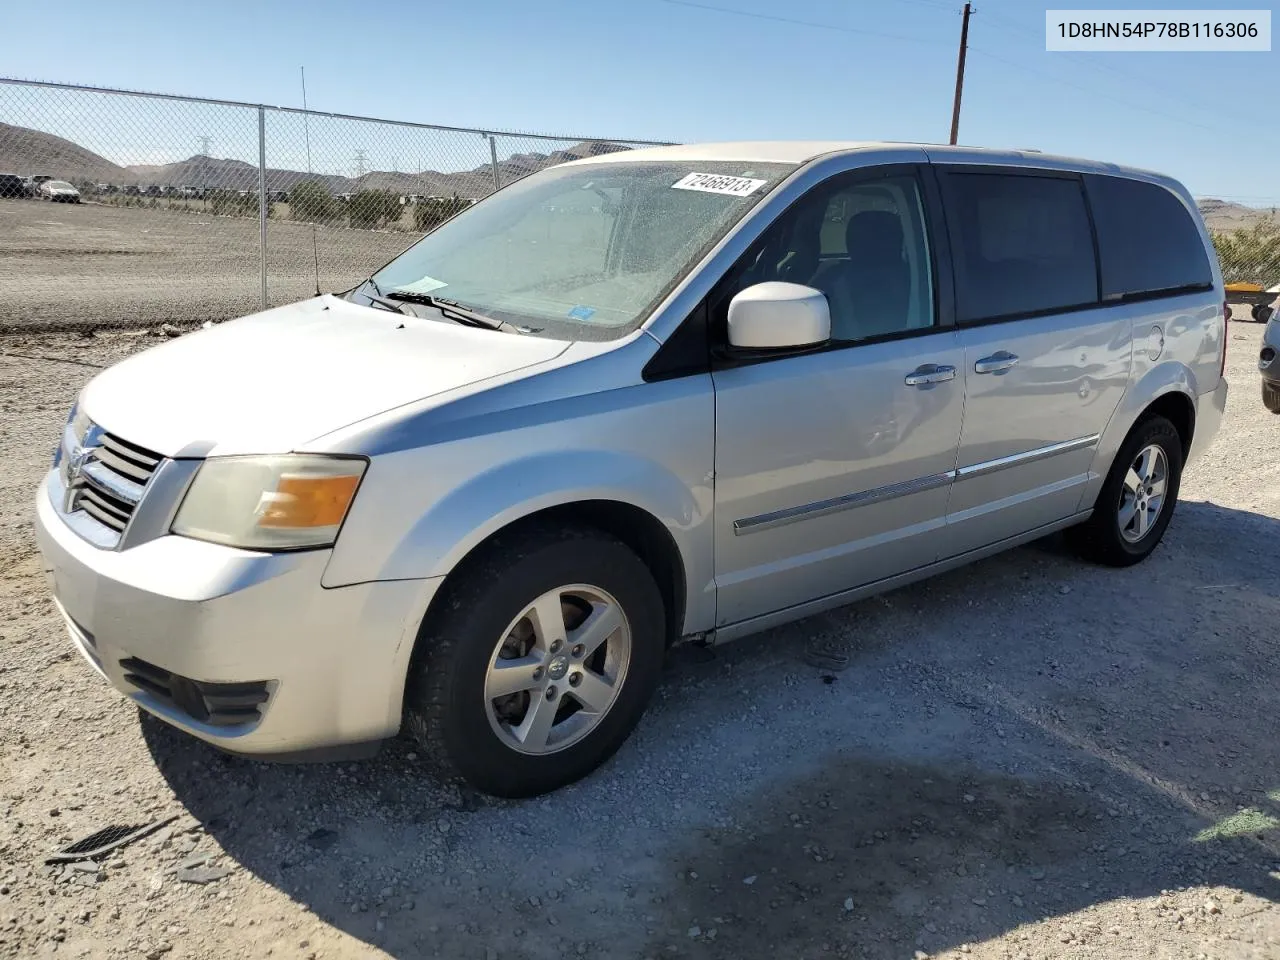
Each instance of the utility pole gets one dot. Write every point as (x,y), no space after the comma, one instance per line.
(964,48)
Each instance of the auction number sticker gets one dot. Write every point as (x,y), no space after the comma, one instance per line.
(1138,31)
(718,183)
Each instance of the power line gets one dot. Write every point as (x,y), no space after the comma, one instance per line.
(999,20)
(1096,93)
(814,24)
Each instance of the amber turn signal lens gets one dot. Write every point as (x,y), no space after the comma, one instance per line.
(300,500)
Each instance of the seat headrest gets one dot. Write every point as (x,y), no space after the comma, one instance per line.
(874,236)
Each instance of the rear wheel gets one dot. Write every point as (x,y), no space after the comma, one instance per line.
(1136,502)
(1262,313)
(540,662)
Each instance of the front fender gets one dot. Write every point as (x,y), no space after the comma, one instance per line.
(479,508)
(454,524)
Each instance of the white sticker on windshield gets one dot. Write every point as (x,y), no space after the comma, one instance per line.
(718,183)
(425,285)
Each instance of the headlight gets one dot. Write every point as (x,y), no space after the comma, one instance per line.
(269,503)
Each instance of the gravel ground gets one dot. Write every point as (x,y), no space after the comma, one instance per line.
(68,266)
(1031,757)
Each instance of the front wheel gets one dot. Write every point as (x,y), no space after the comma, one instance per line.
(1136,502)
(540,662)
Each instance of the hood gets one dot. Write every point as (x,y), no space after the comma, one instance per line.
(270,382)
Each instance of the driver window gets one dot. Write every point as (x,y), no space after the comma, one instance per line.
(864,246)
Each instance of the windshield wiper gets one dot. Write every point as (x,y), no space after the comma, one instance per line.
(381,301)
(455,310)
(388,304)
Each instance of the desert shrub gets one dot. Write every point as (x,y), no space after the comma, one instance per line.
(430,213)
(371,209)
(1250,253)
(310,200)
(231,203)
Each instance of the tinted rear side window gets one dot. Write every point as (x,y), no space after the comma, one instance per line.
(1147,239)
(1021,244)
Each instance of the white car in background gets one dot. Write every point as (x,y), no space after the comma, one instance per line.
(59,191)
(1267,365)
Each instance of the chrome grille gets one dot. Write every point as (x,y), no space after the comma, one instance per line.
(112,479)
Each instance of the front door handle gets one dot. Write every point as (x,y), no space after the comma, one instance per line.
(998,362)
(929,373)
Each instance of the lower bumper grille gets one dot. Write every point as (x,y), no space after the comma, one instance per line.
(218,704)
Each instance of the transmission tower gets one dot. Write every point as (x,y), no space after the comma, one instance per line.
(361,164)
(206,144)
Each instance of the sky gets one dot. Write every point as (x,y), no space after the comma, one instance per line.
(678,70)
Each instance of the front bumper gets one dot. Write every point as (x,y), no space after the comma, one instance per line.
(234,626)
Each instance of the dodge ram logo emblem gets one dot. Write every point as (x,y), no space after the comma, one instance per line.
(76,461)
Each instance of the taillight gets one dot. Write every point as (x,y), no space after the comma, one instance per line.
(1226,335)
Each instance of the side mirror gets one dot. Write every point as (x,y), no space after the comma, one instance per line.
(774,315)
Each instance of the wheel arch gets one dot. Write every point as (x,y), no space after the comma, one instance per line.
(642,532)
(635,527)
(1168,390)
(1180,410)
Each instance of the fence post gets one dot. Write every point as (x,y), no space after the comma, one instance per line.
(493,163)
(262,199)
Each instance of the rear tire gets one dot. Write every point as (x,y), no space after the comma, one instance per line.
(1137,499)
(567,628)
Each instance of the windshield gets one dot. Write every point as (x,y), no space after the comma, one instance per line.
(59,185)
(582,252)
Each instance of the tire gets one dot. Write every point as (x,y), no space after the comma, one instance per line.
(1262,313)
(1105,537)
(1271,396)
(487,616)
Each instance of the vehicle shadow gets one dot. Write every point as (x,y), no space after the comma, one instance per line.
(1013,742)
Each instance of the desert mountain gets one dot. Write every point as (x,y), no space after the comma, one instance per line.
(29,152)
(1222,215)
(200,171)
(25,151)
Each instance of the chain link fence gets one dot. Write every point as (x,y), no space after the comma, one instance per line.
(125,209)
(122,209)
(1250,259)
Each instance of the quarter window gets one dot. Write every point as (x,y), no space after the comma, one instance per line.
(1147,239)
(1021,245)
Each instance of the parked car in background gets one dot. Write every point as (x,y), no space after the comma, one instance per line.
(59,191)
(480,504)
(1268,365)
(12,186)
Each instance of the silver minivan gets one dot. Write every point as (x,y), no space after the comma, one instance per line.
(674,394)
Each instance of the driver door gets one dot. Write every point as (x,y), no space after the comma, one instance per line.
(833,465)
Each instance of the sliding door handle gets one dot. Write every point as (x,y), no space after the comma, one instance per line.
(998,362)
(926,374)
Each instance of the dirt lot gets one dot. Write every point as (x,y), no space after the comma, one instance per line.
(1031,757)
(64,266)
